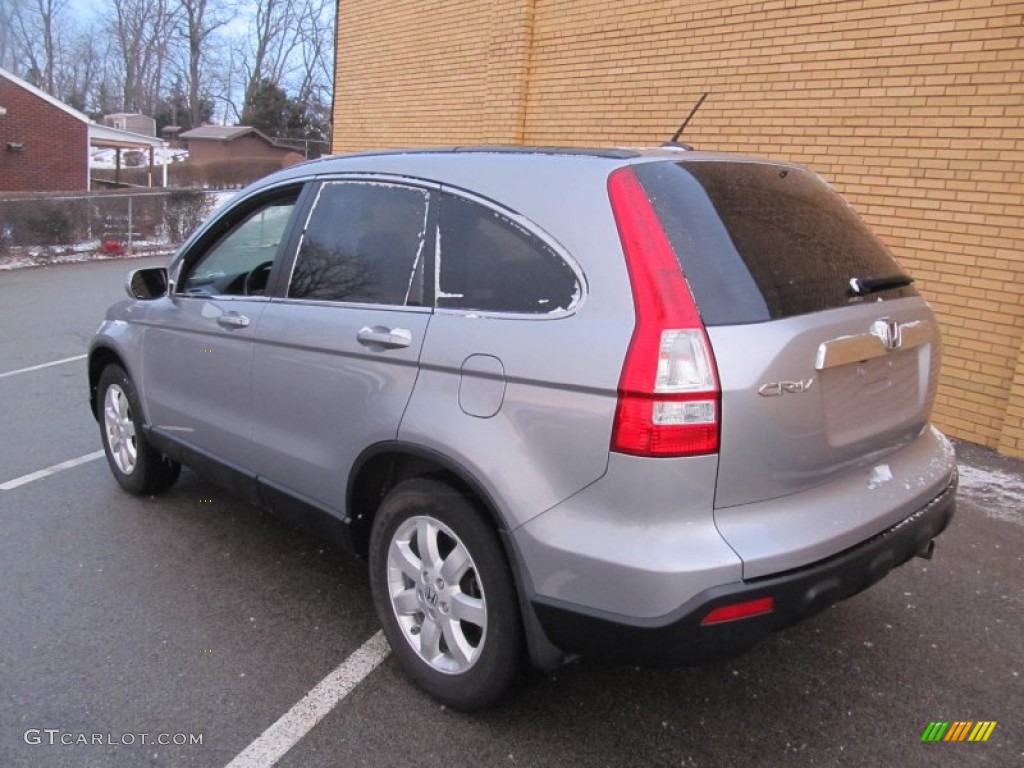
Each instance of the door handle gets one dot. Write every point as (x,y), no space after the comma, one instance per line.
(233,320)
(390,338)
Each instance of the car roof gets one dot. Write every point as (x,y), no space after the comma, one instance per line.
(449,164)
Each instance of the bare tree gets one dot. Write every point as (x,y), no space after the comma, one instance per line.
(198,23)
(316,50)
(273,39)
(143,31)
(8,56)
(51,48)
(80,68)
(290,46)
(227,85)
(36,27)
(134,52)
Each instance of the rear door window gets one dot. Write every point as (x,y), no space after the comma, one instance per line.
(487,262)
(760,241)
(364,242)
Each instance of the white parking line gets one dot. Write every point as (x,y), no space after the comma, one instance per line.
(43,365)
(39,475)
(274,742)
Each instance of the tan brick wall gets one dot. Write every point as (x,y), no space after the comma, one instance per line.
(914,110)
(1013,425)
(430,73)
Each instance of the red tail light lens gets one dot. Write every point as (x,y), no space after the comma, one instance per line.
(739,611)
(669,396)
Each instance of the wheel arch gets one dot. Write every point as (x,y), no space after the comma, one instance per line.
(382,466)
(100,357)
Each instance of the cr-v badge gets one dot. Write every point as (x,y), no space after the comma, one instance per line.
(779,388)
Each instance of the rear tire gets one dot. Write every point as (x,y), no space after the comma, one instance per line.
(444,594)
(137,466)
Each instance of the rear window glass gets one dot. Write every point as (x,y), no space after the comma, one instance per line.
(487,262)
(759,241)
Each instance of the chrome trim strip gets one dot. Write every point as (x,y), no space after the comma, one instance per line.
(845,350)
(916,334)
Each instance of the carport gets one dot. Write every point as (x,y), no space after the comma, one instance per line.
(113,138)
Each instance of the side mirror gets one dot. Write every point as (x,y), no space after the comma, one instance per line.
(146,284)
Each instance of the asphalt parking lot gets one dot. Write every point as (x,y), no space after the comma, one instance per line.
(197,614)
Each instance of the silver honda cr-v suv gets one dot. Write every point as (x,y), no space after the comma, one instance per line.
(649,405)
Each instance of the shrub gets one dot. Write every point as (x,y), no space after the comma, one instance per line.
(185,210)
(39,222)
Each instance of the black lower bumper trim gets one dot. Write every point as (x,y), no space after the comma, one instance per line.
(680,639)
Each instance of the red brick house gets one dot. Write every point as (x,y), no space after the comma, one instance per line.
(44,144)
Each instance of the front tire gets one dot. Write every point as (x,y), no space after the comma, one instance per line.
(137,466)
(444,594)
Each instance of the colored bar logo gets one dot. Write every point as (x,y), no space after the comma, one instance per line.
(959,730)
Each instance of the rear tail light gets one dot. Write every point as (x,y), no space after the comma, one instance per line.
(669,396)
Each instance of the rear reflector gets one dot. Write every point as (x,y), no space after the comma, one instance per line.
(668,390)
(739,611)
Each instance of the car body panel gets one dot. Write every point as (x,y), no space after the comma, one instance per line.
(121,333)
(320,396)
(637,543)
(197,372)
(687,636)
(790,532)
(548,439)
(780,440)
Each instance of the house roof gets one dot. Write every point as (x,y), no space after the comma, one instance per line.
(223,133)
(106,136)
(44,96)
(99,135)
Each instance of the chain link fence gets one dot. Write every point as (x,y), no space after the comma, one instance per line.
(47,227)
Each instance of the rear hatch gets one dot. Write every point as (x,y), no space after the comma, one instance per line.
(827,357)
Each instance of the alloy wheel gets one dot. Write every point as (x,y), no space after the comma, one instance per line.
(120,429)
(436,594)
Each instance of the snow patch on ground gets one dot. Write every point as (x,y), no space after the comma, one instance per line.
(1001,493)
(42,258)
(106,158)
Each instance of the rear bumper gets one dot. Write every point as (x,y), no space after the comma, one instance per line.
(680,638)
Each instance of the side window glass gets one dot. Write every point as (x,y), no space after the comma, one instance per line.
(488,262)
(364,242)
(239,262)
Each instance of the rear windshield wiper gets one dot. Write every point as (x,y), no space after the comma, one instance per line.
(862,286)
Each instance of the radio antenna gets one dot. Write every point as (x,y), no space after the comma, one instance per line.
(677,134)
